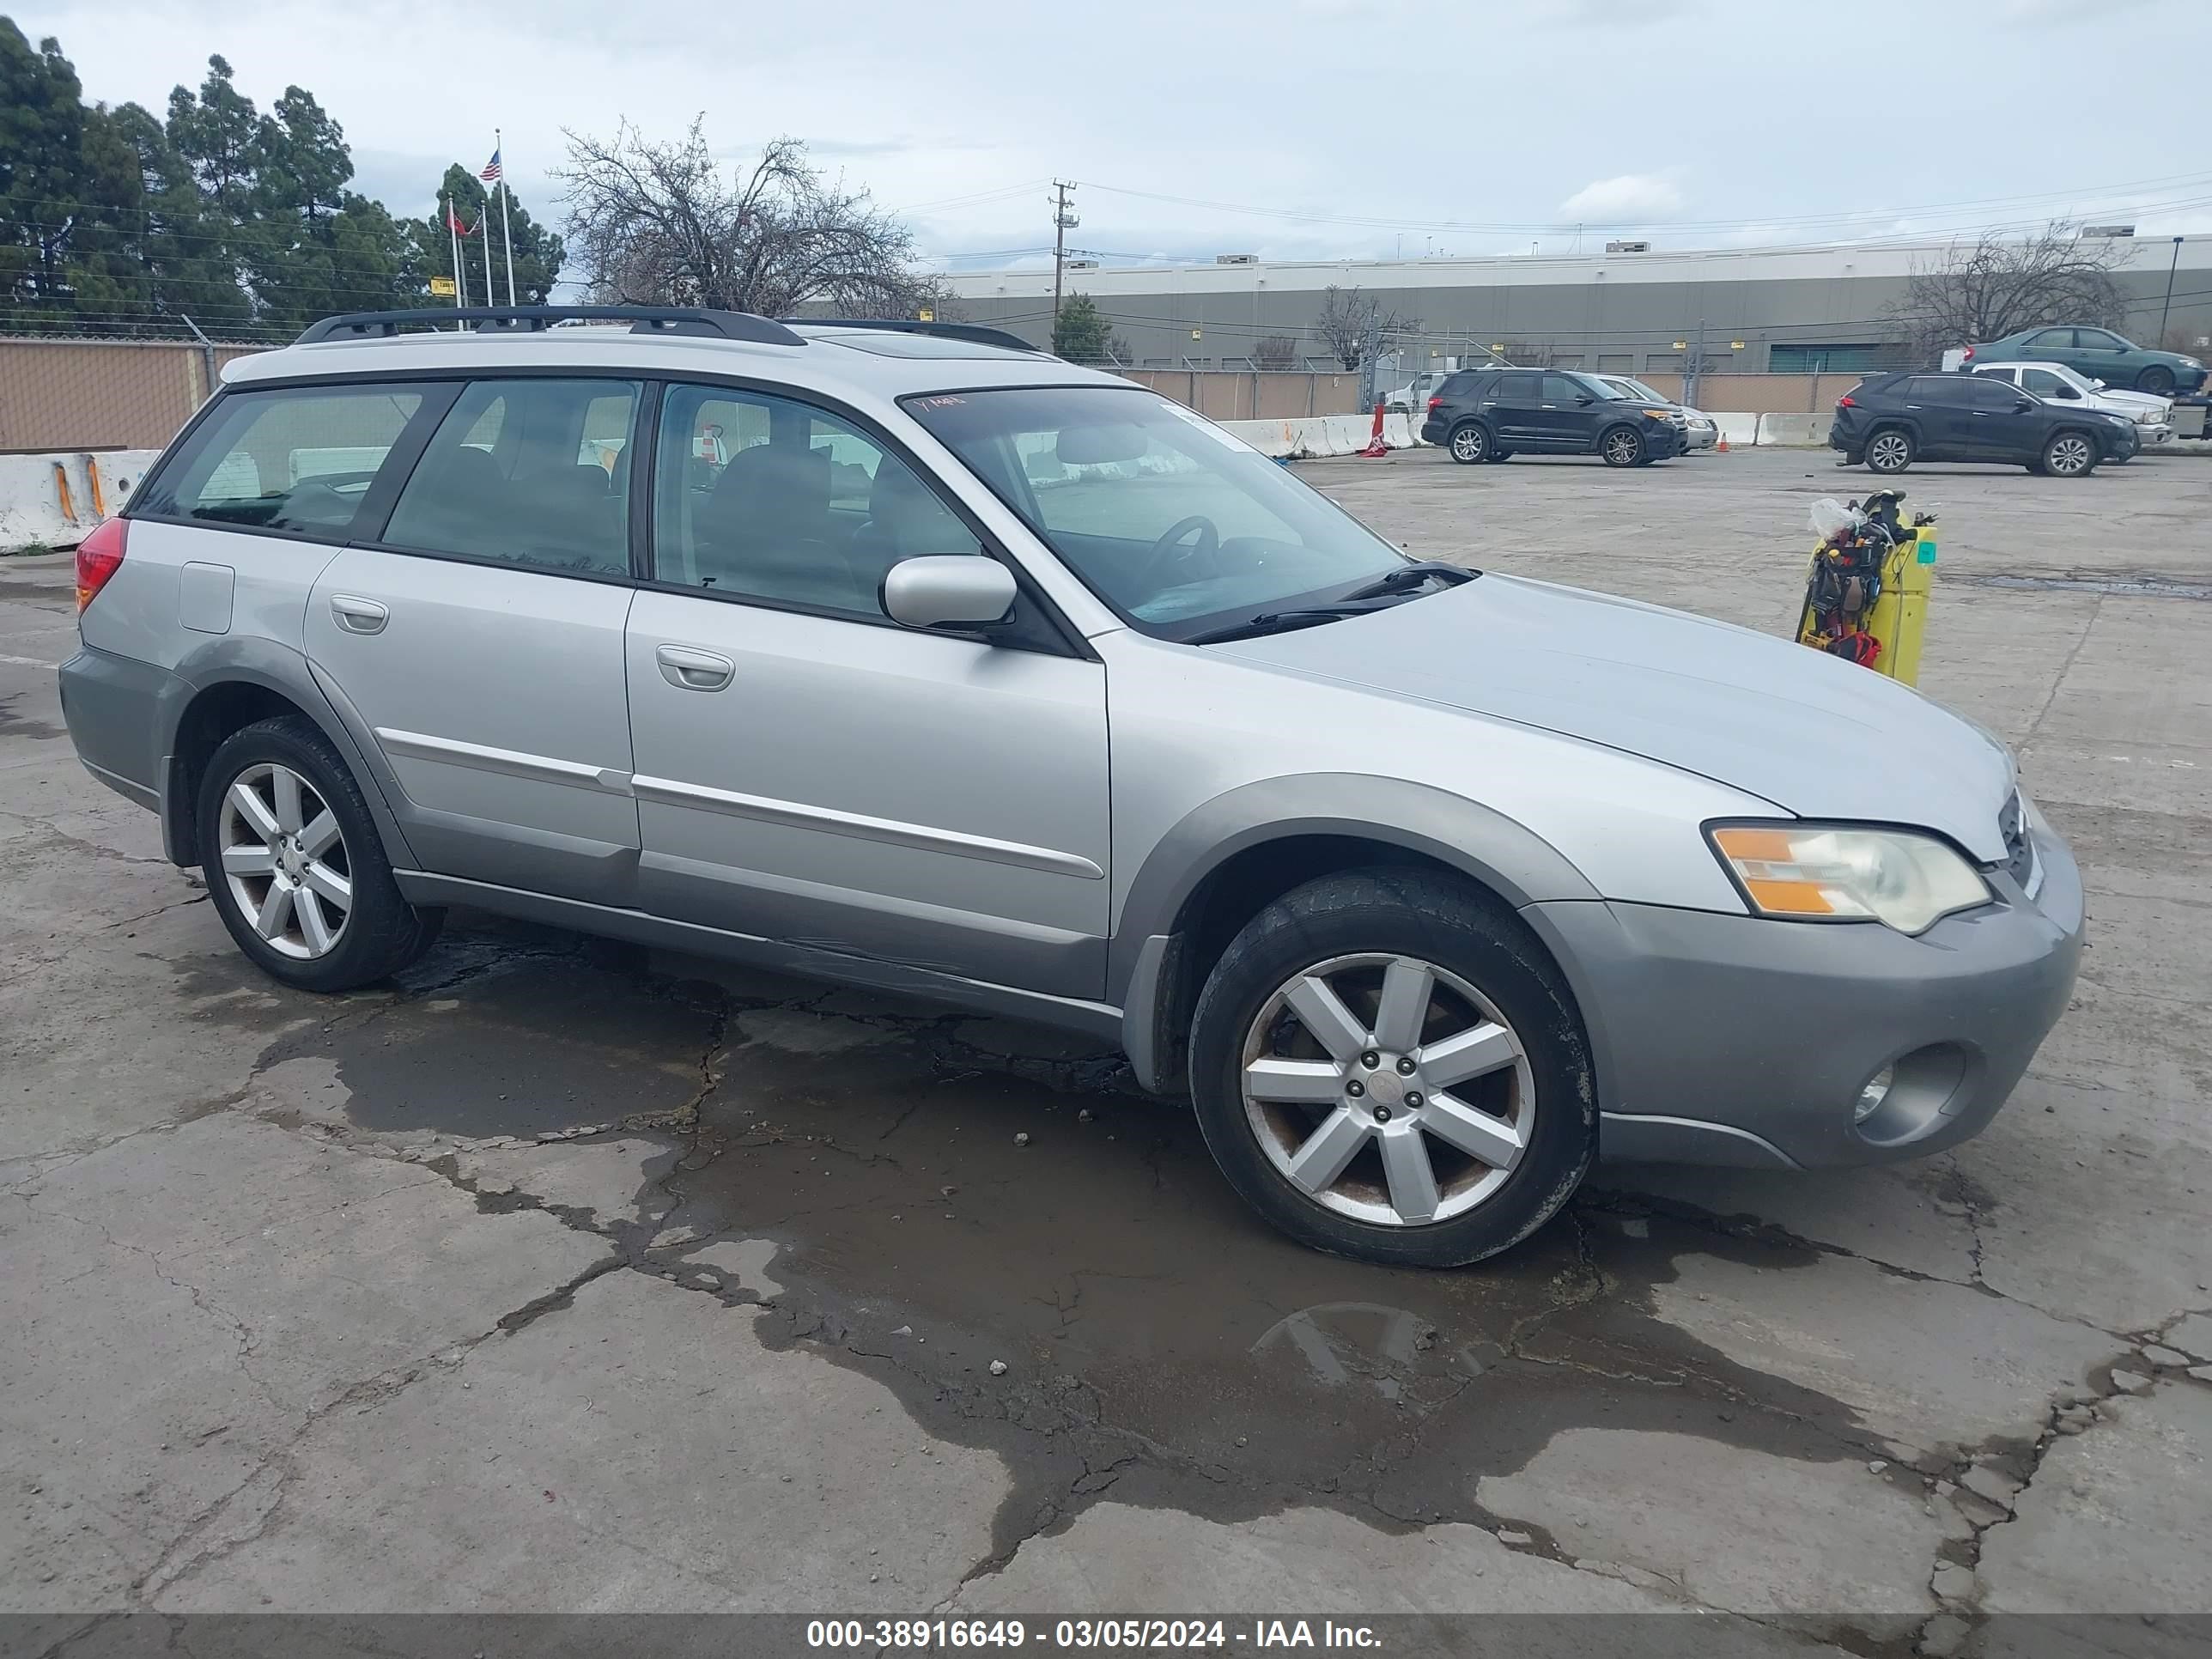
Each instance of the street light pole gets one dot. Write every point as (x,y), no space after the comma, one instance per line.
(2166,309)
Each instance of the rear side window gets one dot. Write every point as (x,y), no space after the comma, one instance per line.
(1459,386)
(297,458)
(528,471)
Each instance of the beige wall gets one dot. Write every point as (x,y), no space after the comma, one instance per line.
(90,394)
(1250,395)
(100,394)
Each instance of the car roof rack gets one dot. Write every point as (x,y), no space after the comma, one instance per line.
(494,319)
(973,333)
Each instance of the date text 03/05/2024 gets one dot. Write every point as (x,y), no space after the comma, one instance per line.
(877,1634)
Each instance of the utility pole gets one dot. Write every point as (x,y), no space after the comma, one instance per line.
(2167,310)
(1696,365)
(1062,222)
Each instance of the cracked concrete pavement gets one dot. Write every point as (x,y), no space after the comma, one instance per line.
(564,1275)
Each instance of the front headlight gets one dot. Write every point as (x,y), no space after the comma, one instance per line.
(1812,873)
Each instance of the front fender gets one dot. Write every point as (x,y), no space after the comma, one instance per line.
(1146,967)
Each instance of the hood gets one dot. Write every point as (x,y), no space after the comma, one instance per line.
(1817,736)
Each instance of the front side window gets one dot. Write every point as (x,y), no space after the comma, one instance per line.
(2096,339)
(296,459)
(764,498)
(528,471)
(1170,521)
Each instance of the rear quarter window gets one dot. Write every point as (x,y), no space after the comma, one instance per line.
(297,458)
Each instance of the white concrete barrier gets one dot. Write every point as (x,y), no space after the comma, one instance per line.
(1794,431)
(58,498)
(1321,434)
(1737,431)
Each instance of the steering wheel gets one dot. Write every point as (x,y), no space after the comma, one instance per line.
(1168,551)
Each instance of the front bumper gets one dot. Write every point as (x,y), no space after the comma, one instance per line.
(1700,437)
(2152,434)
(1739,1039)
(2122,442)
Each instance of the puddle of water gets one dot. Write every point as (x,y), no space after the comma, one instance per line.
(938,1192)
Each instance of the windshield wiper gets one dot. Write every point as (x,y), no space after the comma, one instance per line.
(1280,622)
(1412,575)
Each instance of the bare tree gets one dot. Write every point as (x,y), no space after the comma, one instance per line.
(1354,326)
(664,223)
(2000,285)
(1275,351)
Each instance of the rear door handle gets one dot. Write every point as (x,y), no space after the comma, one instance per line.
(688,669)
(358,616)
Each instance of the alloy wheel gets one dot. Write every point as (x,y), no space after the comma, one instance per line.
(1889,453)
(2069,456)
(1622,448)
(1387,1090)
(284,858)
(1468,444)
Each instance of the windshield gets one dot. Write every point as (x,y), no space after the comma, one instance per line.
(1636,389)
(1168,519)
(1611,391)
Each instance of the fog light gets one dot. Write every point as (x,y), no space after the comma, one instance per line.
(1872,1093)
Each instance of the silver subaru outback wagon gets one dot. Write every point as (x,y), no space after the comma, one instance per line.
(907,658)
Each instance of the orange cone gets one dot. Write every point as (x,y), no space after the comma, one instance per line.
(1375,446)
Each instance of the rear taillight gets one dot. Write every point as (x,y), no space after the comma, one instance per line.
(99,556)
(1436,403)
(1845,402)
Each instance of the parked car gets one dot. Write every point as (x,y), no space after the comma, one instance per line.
(1491,414)
(2054,383)
(1699,429)
(2097,354)
(1891,421)
(1422,884)
(1413,396)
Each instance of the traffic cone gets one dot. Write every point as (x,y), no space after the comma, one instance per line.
(1721,448)
(1375,446)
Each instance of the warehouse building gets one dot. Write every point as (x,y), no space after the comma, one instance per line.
(1631,307)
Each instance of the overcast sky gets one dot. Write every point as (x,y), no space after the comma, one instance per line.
(1291,128)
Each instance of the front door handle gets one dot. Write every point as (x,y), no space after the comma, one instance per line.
(688,669)
(358,616)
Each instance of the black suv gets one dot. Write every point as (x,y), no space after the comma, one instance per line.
(1488,414)
(1891,421)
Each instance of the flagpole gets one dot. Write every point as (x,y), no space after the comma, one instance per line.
(498,149)
(453,239)
(484,224)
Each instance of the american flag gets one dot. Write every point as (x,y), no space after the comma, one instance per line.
(491,169)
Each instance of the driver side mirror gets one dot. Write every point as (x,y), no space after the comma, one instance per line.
(949,590)
(1585,400)
(2022,403)
(2068,393)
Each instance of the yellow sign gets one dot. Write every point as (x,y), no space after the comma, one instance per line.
(1195,335)
(1681,345)
(1736,345)
(441,287)
(926,315)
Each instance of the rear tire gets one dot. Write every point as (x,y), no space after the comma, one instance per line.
(295,866)
(1890,450)
(1392,1174)
(1469,443)
(2070,455)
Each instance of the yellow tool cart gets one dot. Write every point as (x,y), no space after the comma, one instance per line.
(1866,596)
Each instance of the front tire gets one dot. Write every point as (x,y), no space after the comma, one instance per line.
(1889,450)
(1470,443)
(1387,1066)
(294,864)
(2157,380)
(2070,455)
(1622,446)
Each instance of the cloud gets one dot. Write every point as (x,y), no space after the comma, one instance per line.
(1627,198)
